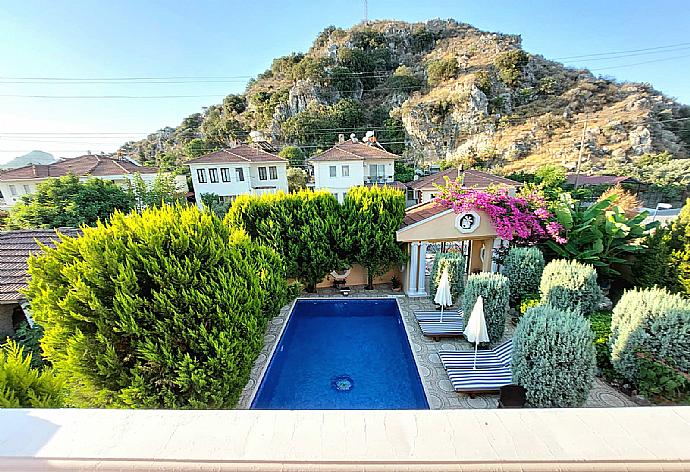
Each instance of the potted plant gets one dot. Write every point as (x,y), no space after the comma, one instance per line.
(395,283)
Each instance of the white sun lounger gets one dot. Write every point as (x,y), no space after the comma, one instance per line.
(480,380)
(499,356)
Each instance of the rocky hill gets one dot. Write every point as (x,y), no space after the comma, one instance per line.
(442,90)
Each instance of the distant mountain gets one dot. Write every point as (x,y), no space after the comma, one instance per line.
(34,157)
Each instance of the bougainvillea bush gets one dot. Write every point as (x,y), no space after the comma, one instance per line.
(524,220)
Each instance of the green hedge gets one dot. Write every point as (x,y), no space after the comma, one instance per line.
(163,309)
(654,322)
(302,227)
(455,262)
(523,266)
(553,357)
(570,286)
(494,289)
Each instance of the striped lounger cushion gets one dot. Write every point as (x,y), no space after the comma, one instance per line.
(436,315)
(478,380)
(447,327)
(499,356)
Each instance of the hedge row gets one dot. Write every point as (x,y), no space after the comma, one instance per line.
(316,235)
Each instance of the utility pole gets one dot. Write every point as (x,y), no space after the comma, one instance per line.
(582,148)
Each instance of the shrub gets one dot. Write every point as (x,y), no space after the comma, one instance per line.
(569,285)
(529,301)
(294,155)
(553,357)
(600,234)
(667,261)
(455,262)
(22,386)
(370,218)
(29,339)
(494,289)
(442,69)
(661,381)
(654,322)
(163,309)
(302,227)
(523,266)
(601,327)
(510,65)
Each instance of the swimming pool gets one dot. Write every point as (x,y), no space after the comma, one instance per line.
(342,354)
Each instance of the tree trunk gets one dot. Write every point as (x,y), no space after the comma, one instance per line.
(370,280)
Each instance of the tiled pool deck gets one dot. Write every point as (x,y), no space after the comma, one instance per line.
(439,391)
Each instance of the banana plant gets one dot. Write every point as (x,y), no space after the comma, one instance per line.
(600,234)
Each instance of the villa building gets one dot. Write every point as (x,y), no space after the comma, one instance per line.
(23,180)
(239,170)
(352,163)
(425,189)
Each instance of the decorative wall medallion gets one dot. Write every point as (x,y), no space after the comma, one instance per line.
(467,222)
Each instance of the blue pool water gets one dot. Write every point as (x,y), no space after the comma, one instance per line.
(342,354)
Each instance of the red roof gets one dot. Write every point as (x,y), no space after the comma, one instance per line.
(588,180)
(88,165)
(353,151)
(470,179)
(15,248)
(422,211)
(239,154)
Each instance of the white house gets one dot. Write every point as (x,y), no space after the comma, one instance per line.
(353,163)
(23,180)
(236,171)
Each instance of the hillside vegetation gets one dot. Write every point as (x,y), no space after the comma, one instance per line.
(442,90)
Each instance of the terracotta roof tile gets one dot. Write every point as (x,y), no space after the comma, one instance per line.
(353,151)
(471,179)
(15,248)
(239,154)
(422,211)
(88,165)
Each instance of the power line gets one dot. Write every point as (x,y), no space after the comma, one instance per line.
(640,63)
(622,52)
(611,58)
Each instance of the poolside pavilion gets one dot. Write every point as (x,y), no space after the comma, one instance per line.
(432,223)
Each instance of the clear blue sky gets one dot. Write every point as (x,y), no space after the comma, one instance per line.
(127,38)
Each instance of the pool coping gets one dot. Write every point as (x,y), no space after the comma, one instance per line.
(247,398)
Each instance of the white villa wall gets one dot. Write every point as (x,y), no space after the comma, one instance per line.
(236,187)
(359,174)
(223,189)
(338,185)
